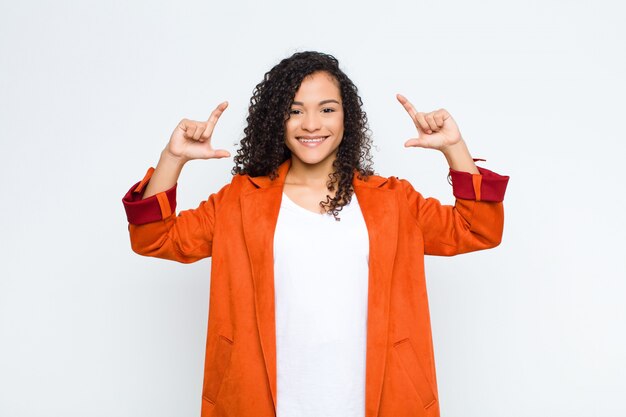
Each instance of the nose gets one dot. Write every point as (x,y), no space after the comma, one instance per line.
(311,121)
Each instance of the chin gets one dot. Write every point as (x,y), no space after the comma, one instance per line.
(311,156)
(310,161)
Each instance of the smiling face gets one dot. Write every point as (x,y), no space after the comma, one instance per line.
(314,129)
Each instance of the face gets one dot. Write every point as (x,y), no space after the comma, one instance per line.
(314,129)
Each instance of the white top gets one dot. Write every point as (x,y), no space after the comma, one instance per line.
(321,283)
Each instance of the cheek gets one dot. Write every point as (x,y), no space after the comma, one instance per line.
(289,138)
(290,127)
(335,124)
(339,126)
(341,121)
(287,132)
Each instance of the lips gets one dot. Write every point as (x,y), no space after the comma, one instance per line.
(311,141)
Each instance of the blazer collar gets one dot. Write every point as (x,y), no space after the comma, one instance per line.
(265,181)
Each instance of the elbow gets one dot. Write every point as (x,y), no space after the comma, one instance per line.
(139,248)
(495,242)
(145,244)
(485,239)
(489,231)
(144,241)
(493,239)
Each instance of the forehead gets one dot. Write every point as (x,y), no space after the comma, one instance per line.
(320,85)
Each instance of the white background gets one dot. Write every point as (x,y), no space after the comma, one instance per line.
(90,92)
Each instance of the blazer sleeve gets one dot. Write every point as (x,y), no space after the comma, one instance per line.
(155,229)
(475,221)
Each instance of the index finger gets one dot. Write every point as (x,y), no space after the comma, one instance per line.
(407,105)
(212,120)
(215,115)
(410,109)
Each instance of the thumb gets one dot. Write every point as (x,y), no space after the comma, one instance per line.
(416,142)
(221,153)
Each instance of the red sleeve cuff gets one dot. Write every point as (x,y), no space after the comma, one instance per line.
(486,186)
(154,208)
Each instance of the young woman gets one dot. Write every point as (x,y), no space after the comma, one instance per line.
(318,303)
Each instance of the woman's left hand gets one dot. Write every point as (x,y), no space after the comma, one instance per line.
(436,130)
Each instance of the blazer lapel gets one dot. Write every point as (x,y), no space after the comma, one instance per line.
(259,211)
(380,211)
(260,208)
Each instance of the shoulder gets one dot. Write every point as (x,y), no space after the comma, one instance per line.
(227,197)
(231,189)
(382,182)
(244,183)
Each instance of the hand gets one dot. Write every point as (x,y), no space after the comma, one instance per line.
(192,139)
(436,130)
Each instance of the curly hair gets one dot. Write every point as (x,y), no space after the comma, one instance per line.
(263,147)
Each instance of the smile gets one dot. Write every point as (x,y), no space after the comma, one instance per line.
(312,142)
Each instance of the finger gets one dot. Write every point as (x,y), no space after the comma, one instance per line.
(190,130)
(183,125)
(411,110)
(212,120)
(221,153)
(444,115)
(200,127)
(431,122)
(215,114)
(438,116)
(415,142)
(407,105)
(206,132)
(423,124)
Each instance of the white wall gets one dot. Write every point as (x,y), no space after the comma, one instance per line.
(90,92)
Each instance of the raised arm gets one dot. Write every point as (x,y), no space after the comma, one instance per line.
(476,220)
(155,229)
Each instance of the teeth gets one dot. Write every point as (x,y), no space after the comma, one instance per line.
(311,140)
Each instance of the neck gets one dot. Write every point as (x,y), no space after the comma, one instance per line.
(309,175)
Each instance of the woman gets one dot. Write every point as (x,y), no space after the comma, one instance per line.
(318,301)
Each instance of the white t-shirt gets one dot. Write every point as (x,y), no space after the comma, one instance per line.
(321,285)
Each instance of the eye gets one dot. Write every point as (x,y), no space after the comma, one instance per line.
(294,111)
(328,110)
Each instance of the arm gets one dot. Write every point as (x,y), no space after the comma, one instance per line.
(476,220)
(155,229)
(166,174)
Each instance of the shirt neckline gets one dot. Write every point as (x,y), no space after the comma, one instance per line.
(298,207)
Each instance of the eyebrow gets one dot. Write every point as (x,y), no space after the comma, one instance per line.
(298,103)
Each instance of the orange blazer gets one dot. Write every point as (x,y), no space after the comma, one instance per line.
(235,226)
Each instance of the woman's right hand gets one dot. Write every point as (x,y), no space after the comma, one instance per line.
(192,139)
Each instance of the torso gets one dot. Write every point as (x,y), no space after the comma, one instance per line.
(321,303)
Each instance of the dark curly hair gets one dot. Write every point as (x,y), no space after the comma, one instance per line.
(263,147)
